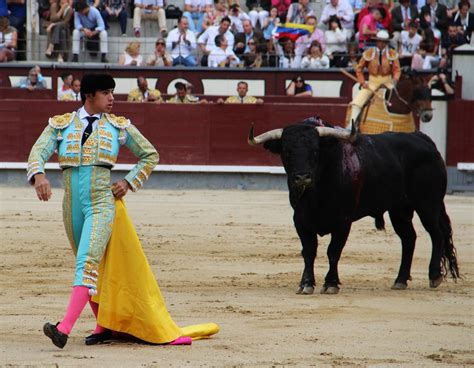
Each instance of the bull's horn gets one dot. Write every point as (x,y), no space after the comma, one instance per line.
(342,134)
(262,138)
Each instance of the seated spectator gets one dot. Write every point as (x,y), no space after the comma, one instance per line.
(237,17)
(451,7)
(369,26)
(222,55)
(315,59)
(434,16)
(181,96)
(115,9)
(252,58)
(287,58)
(343,11)
(270,23)
(67,85)
(33,81)
(131,55)
(149,9)
(206,40)
(258,11)
(423,59)
(74,94)
(59,36)
(409,42)
(303,43)
(17,14)
(144,94)
(298,12)
(441,82)
(160,56)
(336,42)
(182,42)
(450,41)
(402,16)
(270,57)
(8,40)
(299,88)
(241,39)
(353,56)
(282,6)
(88,23)
(242,97)
(192,97)
(385,23)
(215,14)
(464,20)
(195,10)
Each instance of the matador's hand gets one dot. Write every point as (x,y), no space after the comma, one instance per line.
(120,188)
(42,187)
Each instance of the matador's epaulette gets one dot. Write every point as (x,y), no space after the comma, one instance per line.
(369,54)
(61,121)
(392,54)
(120,122)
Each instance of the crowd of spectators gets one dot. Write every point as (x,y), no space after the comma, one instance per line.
(219,33)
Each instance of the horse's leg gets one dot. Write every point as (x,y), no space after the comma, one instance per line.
(402,223)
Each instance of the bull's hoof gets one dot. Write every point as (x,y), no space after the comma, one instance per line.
(436,282)
(399,286)
(306,290)
(332,290)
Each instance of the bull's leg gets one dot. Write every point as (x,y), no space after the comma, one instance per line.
(430,221)
(403,226)
(338,241)
(309,241)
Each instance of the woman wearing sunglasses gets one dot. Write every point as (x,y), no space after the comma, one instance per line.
(299,88)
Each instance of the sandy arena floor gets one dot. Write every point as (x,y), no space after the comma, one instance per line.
(233,257)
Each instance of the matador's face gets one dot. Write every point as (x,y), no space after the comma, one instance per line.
(102,100)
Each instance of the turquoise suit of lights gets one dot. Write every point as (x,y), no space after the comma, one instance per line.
(88,203)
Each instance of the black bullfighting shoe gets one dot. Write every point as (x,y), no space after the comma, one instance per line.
(57,337)
(99,338)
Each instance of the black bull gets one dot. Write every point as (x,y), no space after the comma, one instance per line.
(336,177)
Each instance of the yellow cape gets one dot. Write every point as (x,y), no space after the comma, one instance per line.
(128,295)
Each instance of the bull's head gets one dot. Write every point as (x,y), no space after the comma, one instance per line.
(299,149)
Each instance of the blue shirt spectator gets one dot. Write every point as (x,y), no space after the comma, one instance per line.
(93,20)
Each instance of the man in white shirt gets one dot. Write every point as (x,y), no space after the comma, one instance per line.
(222,55)
(181,42)
(237,16)
(66,87)
(409,42)
(196,10)
(343,11)
(206,40)
(149,9)
(298,12)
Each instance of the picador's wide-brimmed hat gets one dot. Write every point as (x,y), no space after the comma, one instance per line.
(382,35)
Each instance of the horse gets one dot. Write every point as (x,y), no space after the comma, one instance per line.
(392,110)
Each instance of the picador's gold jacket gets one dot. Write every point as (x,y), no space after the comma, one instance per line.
(390,64)
(64,134)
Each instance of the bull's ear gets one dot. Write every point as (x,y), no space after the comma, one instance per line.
(274,146)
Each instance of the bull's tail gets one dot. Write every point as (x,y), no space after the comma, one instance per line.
(449,260)
(379,222)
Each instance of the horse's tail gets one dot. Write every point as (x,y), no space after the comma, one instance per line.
(449,260)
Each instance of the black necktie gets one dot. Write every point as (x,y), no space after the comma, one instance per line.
(380,58)
(88,130)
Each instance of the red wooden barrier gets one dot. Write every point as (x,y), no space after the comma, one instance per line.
(460,145)
(189,134)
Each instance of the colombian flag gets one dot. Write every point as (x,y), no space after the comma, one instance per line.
(292,30)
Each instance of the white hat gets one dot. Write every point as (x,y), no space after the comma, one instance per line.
(382,36)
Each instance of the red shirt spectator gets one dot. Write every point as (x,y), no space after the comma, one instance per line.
(282,6)
(386,22)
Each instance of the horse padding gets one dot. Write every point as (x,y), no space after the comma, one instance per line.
(375,118)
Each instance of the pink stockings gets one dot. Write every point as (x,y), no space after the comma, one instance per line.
(79,298)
